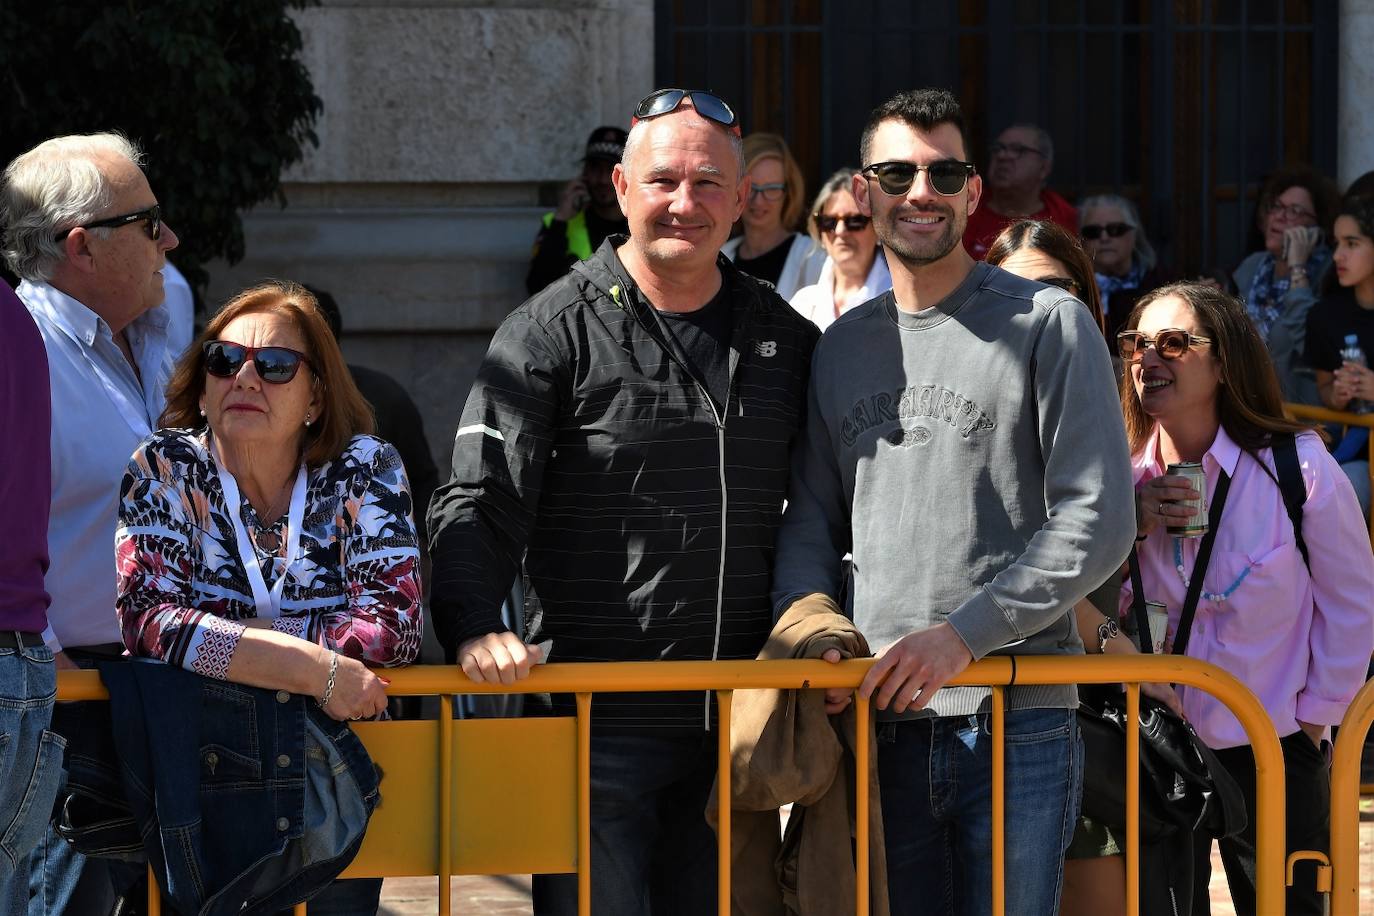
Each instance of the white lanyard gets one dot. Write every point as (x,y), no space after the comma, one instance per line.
(268,603)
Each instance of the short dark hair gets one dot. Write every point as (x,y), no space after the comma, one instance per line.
(1322,190)
(1360,208)
(327,303)
(1362,186)
(923,109)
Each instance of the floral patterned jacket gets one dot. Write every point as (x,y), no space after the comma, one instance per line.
(182,590)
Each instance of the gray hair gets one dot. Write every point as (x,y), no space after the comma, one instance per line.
(637,133)
(1042,138)
(1144,252)
(840,181)
(57,185)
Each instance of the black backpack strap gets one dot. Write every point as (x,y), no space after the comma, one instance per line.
(1144,638)
(1204,557)
(1284,447)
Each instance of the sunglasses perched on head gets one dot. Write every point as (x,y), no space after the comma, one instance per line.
(276,365)
(1170,343)
(856,223)
(947,177)
(153,215)
(1093,232)
(708,105)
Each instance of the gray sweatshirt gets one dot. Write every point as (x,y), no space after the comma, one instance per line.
(973,460)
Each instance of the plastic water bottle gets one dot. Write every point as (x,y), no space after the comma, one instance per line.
(1352,353)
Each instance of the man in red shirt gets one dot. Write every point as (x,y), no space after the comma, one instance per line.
(1019,164)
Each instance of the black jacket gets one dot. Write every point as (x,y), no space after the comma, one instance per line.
(645,521)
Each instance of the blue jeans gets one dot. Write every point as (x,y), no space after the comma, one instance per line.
(936,778)
(62,881)
(30,765)
(653,854)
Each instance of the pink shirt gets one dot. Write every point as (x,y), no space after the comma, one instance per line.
(1301,643)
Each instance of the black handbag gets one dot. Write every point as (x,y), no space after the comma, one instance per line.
(1182,784)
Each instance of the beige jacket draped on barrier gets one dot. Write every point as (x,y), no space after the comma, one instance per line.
(785,749)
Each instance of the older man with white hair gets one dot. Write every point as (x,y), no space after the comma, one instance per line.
(84,231)
(628,437)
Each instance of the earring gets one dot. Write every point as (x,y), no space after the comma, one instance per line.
(307,419)
(202,411)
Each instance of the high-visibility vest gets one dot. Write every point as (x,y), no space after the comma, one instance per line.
(579,242)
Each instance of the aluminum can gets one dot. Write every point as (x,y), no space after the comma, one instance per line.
(1157,616)
(1195,525)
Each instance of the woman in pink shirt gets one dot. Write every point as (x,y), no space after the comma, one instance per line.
(1199,386)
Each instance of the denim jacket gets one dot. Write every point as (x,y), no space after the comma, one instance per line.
(247,800)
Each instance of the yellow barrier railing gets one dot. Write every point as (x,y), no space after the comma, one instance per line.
(583,680)
(1347,420)
(1345,803)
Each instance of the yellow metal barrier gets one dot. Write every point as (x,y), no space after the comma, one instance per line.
(410,835)
(1347,420)
(1345,804)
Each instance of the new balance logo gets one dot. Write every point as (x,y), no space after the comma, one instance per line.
(766,347)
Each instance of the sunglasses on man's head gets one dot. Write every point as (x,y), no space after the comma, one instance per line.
(1092,232)
(153,215)
(1170,343)
(947,177)
(856,223)
(708,105)
(276,365)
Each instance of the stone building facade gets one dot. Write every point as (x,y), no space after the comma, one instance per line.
(443,120)
(446,121)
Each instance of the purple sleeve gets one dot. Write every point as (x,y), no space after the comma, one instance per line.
(26,457)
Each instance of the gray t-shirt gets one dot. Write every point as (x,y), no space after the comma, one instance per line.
(972,457)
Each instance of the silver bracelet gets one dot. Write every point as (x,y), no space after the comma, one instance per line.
(329,685)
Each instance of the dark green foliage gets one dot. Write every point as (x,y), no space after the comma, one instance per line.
(213,91)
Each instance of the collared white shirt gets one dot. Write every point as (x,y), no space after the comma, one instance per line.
(817,302)
(100,414)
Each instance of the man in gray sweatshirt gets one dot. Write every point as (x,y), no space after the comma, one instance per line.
(965,445)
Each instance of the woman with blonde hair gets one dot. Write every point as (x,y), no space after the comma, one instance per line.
(855,269)
(769,247)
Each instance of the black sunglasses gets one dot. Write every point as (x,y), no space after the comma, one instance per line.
(856,223)
(709,106)
(153,215)
(1016,150)
(947,177)
(276,365)
(1093,232)
(1170,343)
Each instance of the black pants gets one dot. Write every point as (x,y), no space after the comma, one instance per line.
(1307,812)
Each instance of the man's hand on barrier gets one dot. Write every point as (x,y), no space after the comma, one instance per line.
(837,699)
(911,669)
(498,658)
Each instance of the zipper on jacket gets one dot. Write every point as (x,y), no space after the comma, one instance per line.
(719,417)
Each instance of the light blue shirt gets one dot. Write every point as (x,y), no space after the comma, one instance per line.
(100,414)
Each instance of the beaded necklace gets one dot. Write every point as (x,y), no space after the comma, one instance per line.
(1208,596)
